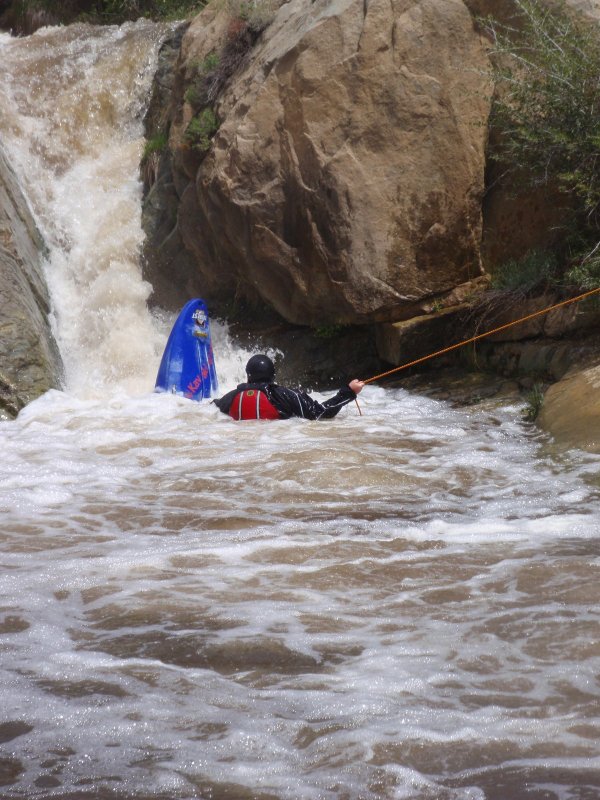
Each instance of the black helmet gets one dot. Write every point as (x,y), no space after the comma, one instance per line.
(260,368)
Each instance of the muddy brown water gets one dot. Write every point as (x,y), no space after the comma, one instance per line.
(398,605)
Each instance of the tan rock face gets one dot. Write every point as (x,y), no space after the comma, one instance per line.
(571,411)
(29,359)
(345,179)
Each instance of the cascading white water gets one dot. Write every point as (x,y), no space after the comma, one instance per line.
(401,605)
(72,122)
(71,119)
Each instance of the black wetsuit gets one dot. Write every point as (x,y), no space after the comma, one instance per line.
(292,402)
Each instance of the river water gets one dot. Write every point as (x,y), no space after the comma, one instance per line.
(398,605)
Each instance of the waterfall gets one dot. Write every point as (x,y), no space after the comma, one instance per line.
(72,104)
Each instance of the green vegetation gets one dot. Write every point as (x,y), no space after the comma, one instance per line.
(121,10)
(546,114)
(156,144)
(209,64)
(586,273)
(256,14)
(329,331)
(205,78)
(176,9)
(103,11)
(535,401)
(536,270)
(201,130)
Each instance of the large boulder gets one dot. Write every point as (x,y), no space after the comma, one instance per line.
(29,359)
(345,180)
(571,410)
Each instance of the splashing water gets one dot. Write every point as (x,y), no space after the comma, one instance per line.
(72,114)
(401,605)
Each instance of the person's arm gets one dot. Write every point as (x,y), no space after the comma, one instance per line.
(224,403)
(294,403)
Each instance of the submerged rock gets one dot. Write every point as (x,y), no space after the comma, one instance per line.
(571,410)
(29,360)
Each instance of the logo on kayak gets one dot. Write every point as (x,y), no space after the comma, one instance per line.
(199,317)
(195,384)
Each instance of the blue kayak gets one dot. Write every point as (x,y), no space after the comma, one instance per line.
(188,366)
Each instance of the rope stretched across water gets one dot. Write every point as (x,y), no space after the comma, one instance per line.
(483,335)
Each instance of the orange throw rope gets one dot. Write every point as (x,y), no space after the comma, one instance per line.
(483,335)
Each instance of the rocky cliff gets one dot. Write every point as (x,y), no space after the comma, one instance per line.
(29,359)
(343,179)
(344,182)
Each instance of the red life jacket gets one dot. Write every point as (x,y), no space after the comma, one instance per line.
(252,404)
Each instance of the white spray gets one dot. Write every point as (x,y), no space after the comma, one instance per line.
(71,119)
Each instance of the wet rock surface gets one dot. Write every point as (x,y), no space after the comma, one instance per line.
(460,386)
(345,179)
(571,410)
(29,359)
